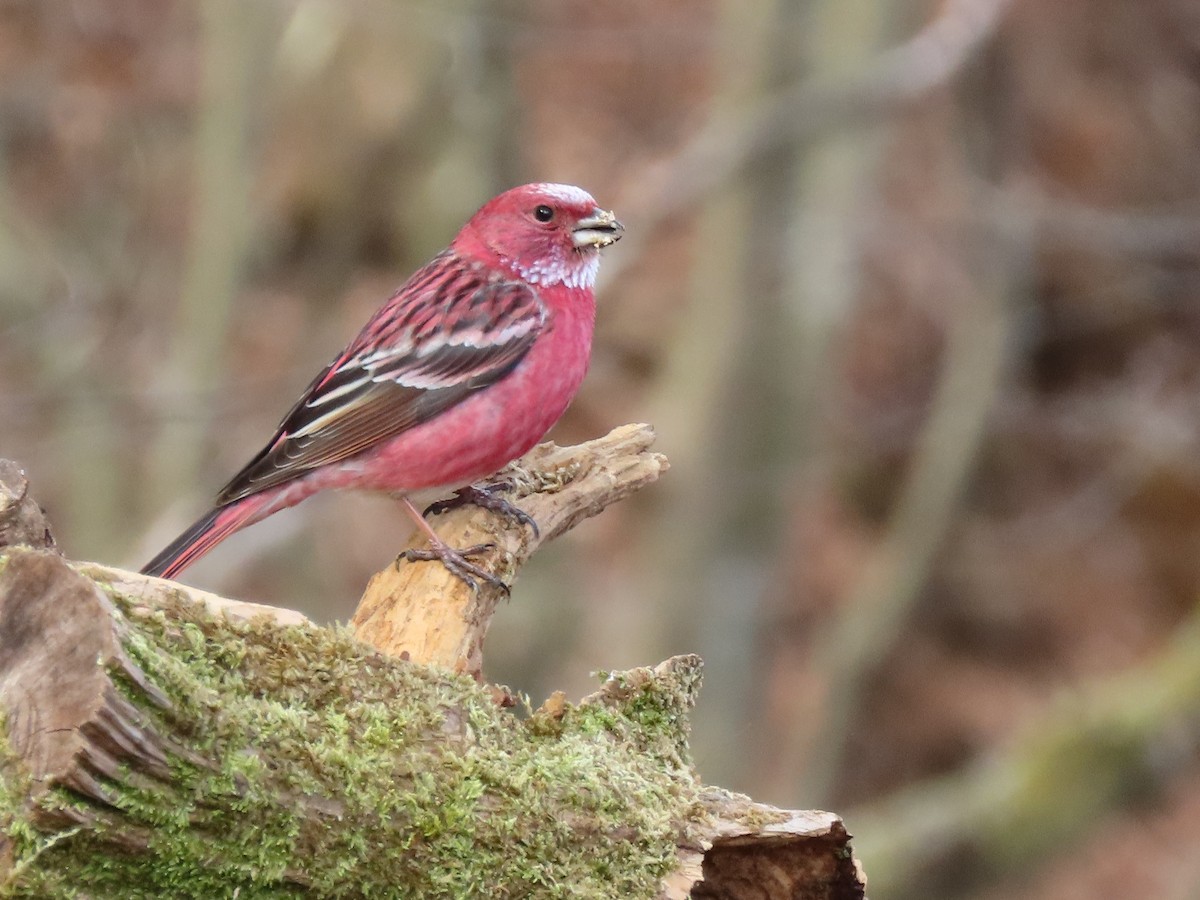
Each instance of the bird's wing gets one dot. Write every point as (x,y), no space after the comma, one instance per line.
(453,329)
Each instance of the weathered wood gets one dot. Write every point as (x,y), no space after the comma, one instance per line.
(559,487)
(22,521)
(751,850)
(134,584)
(65,718)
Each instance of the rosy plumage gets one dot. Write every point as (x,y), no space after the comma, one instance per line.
(460,372)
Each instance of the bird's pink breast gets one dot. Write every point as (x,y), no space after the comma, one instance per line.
(492,427)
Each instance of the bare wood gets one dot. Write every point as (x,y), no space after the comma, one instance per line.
(22,521)
(135,584)
(559,487)
(751,850)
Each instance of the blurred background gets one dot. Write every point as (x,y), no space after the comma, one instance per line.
(910,290)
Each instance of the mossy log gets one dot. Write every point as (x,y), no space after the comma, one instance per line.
(160,742)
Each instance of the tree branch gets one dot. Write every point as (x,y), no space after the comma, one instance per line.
(559,487)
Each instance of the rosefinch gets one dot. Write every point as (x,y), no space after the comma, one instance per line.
(464,369)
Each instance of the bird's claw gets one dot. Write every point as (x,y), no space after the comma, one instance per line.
(456,563)
(484,496)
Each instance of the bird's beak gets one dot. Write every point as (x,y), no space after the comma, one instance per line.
(598,230)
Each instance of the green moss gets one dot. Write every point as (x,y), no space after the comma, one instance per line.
(357,775)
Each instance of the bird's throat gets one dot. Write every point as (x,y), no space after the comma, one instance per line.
(571,268)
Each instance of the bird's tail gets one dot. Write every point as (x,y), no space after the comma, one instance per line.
(205,534)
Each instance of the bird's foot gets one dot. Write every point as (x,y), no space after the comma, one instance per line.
(485,496)
(456,562)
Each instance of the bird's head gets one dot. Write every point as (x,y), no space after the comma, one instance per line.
(544,233)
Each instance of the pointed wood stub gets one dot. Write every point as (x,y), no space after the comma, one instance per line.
(22,521)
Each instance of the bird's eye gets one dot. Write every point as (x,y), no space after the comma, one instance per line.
(543,213)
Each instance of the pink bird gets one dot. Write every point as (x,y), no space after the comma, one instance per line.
(464,369)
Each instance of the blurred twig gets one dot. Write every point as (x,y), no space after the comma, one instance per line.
(698,363)
(820,283)
(706,368)
(737,520)
(1092,754)
(698,412)
(233,35)
(476,156)
(735,140)
(821,272)
(488,101)
(1068,223)
(973,368)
